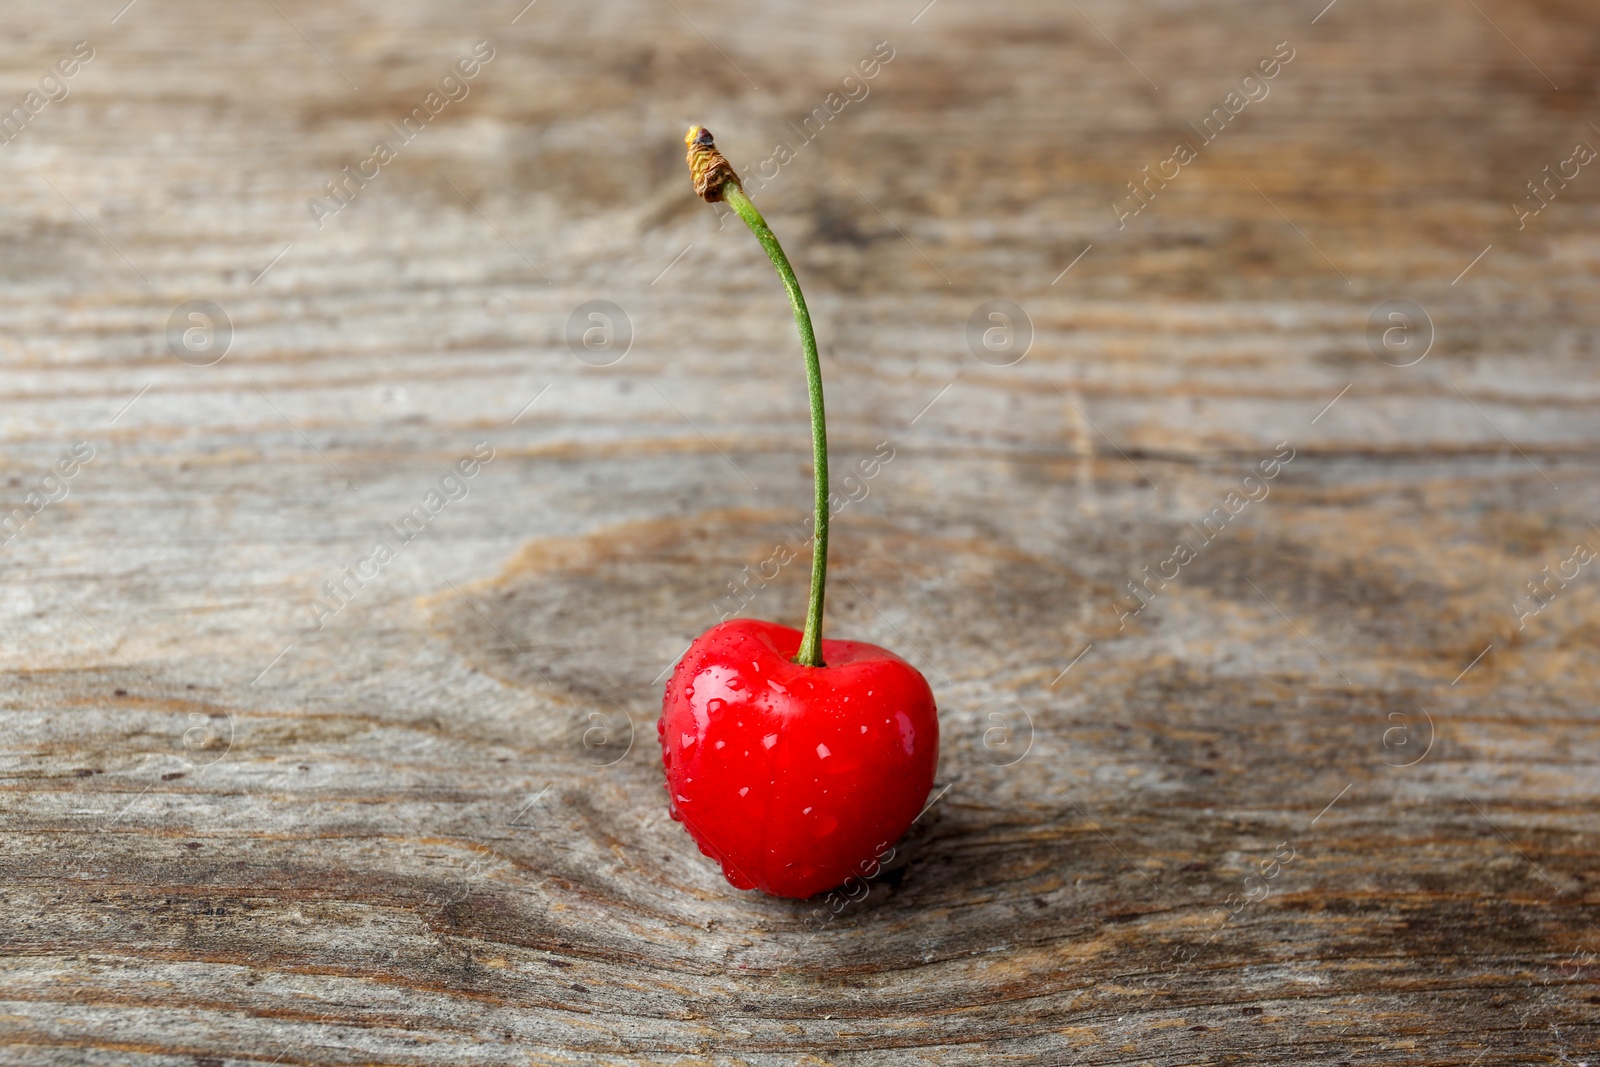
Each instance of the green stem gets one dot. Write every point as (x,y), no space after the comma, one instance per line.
(810,654)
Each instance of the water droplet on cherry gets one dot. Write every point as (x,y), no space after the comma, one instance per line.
(908,733)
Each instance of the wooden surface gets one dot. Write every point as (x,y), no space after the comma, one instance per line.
(233,836)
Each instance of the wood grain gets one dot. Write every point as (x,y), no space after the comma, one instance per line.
(1329,798)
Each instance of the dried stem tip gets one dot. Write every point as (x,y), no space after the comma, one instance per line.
(710,168)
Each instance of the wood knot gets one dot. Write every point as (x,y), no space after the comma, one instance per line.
(709,167)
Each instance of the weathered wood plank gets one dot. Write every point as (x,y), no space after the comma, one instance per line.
(240,829)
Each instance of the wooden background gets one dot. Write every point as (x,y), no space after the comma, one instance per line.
(232,836)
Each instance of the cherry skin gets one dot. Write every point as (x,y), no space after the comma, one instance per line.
(795,778)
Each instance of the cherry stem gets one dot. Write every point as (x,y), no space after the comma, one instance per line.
(810,654)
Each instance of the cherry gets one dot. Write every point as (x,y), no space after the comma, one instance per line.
(792,761)
(794,778)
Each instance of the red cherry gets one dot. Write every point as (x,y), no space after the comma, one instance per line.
(795,778)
